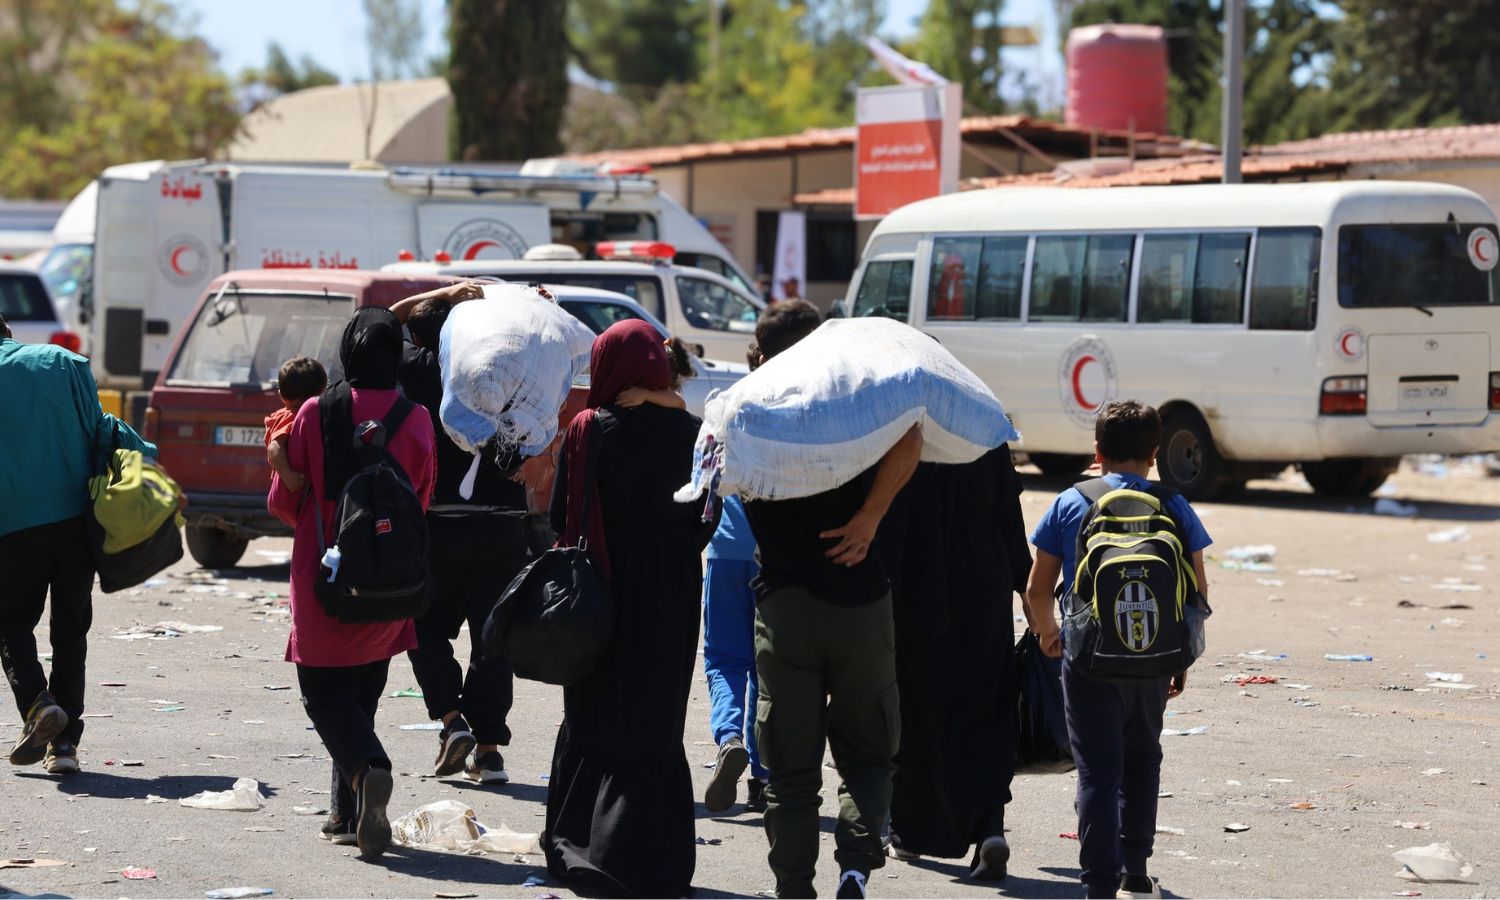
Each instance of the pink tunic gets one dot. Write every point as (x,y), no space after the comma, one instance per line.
(318,639)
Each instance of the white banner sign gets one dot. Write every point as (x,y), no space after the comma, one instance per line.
(789,277)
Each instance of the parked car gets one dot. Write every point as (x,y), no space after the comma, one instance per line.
(27,307)
(706,310)
(208,408)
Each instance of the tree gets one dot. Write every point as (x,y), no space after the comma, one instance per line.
(96,84)
(961,39)
(1402,63)
(643,44)
(280,75)
(509,74)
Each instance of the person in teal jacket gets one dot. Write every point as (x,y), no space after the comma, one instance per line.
(50,422)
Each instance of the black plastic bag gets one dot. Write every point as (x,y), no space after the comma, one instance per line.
(1042,729)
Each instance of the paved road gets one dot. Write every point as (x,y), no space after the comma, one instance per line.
(1365,745)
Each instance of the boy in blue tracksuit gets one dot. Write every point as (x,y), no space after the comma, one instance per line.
(729,659)
(1113,726)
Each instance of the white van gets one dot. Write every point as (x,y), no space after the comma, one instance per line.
(164,230)
(1338,325)
(702,308)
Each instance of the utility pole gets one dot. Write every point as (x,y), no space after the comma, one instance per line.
(1234,86)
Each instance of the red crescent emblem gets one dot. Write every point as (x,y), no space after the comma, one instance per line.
(1344,344)
(1479,248)
(476,247)
(173,261)
(1077,377)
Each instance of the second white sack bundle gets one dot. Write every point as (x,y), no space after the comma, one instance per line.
(508,360)
(825,410)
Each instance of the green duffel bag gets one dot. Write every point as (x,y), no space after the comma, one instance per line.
(134,527)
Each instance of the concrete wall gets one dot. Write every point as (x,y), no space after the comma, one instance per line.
(423,139)
(1480,176)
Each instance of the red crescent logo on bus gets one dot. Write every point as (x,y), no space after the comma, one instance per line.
(476,247)
(176,260)
(1078,368)
(1479,246)
(1484,249)
(1344,343)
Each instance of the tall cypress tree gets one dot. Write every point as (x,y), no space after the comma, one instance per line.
(509,75)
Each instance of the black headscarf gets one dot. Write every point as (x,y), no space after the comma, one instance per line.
(371,349)
(371,356)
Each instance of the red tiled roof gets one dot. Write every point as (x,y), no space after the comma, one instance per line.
(1402,145)
(840,138)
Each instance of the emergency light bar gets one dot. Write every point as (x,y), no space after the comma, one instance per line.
(646,250)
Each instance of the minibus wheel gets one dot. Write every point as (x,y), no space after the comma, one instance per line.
(1188,462)
(215,548)
(1060,465)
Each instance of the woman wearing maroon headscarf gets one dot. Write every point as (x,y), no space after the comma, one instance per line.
(620,799)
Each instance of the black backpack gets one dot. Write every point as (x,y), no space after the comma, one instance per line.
(380,534)
(1135,610)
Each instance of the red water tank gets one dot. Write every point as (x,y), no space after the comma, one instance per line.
(1117,77)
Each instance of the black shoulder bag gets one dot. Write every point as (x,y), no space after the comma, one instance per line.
(556,619)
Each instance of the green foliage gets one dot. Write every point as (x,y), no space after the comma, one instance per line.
(638,43)
(281,75)
(86,84)
(509,75)
(961,40)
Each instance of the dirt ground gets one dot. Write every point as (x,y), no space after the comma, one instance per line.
(1323,766)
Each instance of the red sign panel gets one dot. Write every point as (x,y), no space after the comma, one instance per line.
(898,163)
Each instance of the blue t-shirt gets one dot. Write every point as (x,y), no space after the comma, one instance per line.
(1057,532)
(734,539)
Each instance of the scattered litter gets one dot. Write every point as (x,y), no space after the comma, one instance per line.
(534,881)
(1280,780)
(243,797)
(266,829)
(451,825)
(1246,566)
(112,684)
(292,756)
(1434,862)
(185,628)
(134,874)
(407,692)
(236,893)
(1319,573)
(1171,829)
(1232,783)
(1406,893)
(132,762)
(169,709)
(710,842)
(1252,553)
(1385,506)
(1433,771)
(278,687)
(1243,680)
(251,722)
(1263,656)
(1412,826)
(309,811)
(152,798)
(1460,586)
(1184,732)
(1270,582)
(1163,794)
(453,895)
(221,756)
(1445,676)
(1305,702)
(1349,657)
(1449,536)
(1298,687)
(1304,805)
(1236,828)
(26,862)
(1068,835)
(423,726)
(96,716)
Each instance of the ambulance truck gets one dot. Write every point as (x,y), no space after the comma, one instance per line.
(163,230)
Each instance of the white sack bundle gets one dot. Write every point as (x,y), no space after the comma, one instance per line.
(822,412)
(508,360)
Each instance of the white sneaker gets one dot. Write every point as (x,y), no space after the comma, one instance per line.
(1125,892)
(851,885)
(488,768)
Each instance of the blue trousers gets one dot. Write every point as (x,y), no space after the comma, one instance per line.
(729,652)
(1115,730)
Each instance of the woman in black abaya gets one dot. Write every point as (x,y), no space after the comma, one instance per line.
(620,799)
(955,546)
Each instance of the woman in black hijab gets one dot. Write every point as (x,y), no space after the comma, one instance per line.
(342,667)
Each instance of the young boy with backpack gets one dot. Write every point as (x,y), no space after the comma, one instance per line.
(1132,624)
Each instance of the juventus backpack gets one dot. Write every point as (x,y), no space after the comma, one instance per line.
(1135,610)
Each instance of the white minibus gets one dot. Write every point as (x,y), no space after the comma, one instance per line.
(1336,325)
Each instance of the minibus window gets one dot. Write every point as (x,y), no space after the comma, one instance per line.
(1284,290)
(1412,265)
(1081,278)
(885,290)
(1193,278)
(976,278)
